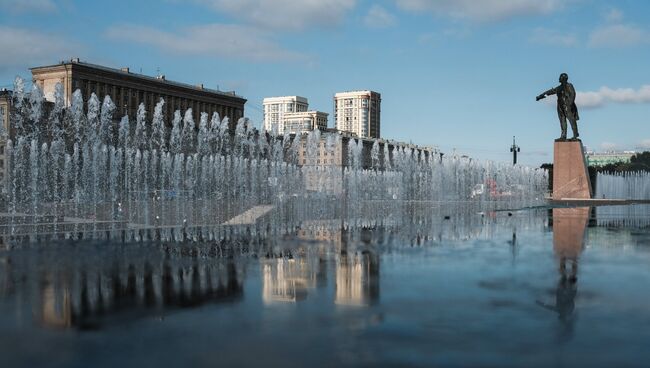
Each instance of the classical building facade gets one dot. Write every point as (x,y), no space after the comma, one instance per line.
(358,112)
(275,109)
(128,90)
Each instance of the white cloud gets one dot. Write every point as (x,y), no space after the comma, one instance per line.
(484,10)
(24,6)
(614,16)
(618,35)
(25,48)
(217,40)
(457,32)
(544,36)
(378,17)
(427,38)
(607,95)
(284,14)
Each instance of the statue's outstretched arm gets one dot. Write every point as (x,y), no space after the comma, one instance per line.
(551,91)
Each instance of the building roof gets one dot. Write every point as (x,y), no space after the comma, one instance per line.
(284,98)
(354,93)
(128,73)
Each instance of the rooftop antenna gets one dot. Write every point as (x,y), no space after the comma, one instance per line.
(514,149)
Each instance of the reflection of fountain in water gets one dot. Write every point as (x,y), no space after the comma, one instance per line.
(73,172)
(98,284)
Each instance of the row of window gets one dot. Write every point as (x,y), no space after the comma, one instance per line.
(323,153)
(127,101)
(324,161)
(353,102)
(290,107)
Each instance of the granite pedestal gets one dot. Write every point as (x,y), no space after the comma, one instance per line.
(570,175)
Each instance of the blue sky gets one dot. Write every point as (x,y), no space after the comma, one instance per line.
(459,74)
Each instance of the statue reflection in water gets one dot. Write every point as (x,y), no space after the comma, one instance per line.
(568,240)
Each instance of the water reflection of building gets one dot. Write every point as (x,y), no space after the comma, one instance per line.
(92,296)
(288,279)
(56,308)
(357,278)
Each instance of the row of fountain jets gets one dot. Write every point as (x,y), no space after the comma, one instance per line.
(76,165)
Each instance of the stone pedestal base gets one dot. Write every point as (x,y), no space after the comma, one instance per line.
(570,175)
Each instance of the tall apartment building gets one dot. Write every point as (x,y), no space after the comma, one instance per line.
(275,109)
(128,90)
(358,112)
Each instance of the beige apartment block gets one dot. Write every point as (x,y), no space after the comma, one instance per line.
(358,112)
(275,109)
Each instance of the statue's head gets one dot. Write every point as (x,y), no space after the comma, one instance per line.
(564,77)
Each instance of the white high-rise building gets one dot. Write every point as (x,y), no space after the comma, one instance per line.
(358,112)
(276,107)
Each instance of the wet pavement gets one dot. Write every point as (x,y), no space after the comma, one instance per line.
(562,287)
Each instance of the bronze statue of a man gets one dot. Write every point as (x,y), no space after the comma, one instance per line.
(566,106)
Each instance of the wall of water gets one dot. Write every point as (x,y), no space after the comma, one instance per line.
(76,169)
(627,185)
